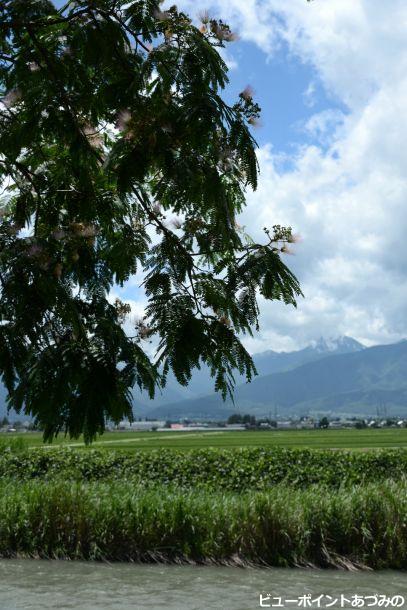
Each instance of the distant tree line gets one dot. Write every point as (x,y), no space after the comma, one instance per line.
(250,420)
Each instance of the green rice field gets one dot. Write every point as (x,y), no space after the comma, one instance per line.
(317,439)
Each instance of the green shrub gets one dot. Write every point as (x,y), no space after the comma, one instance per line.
(217,469)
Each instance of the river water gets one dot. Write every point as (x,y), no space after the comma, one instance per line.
(58,585)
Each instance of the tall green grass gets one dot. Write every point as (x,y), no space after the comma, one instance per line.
(12,444)
(364,525)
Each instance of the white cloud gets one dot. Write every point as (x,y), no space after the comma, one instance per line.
(351,212)
(309,95)
(353,44)
(347,194)
(228,58)
(321,125)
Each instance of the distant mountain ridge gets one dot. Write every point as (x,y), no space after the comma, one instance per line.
(276,362)
(354,382)
(266,363)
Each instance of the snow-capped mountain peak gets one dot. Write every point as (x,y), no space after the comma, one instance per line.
(339,344)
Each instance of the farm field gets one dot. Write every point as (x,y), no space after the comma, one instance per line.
(317,439)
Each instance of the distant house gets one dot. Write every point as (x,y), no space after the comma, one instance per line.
(140,425)
(305,425)
(343,423)
(285,425)
(199,426)
(146,425)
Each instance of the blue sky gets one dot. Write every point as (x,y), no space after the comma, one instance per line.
(331,78)
(288,91)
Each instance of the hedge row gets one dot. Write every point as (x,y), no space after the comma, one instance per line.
(233,470)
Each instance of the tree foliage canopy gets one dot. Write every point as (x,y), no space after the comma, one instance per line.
(118,155)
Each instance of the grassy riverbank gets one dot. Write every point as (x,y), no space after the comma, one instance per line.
(281,527)
(277,507)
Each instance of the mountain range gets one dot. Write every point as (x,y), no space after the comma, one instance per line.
(266,363)
(329,377)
